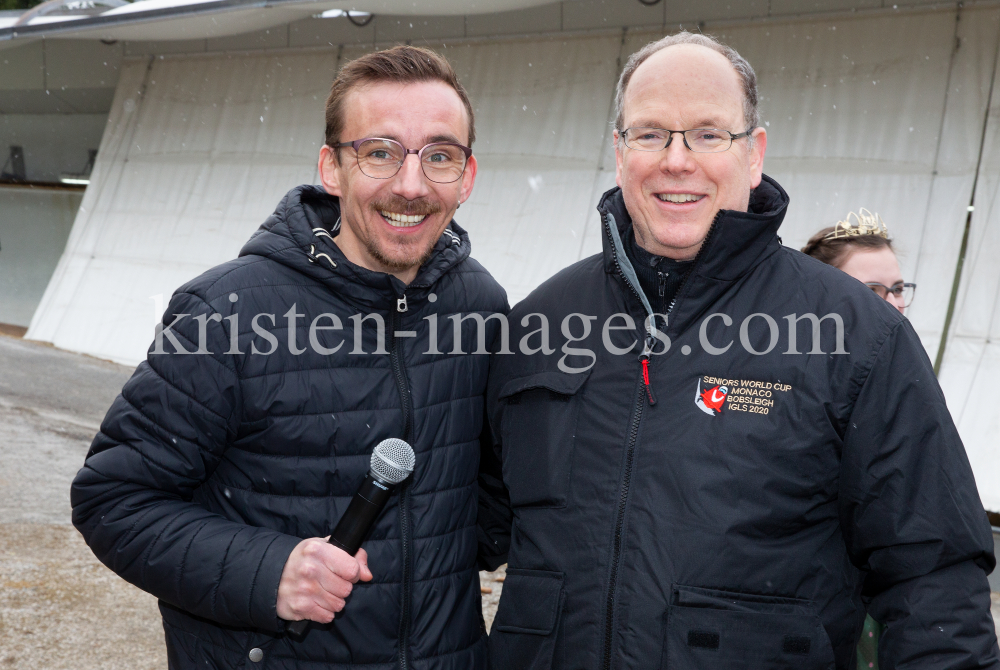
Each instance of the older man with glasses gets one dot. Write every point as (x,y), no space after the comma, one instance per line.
(215,477)
(694,485)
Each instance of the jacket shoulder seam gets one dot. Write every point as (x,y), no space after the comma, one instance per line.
(870,364)
(212,310)
(252,259)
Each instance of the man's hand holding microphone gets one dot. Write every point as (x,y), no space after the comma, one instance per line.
(321,572)
(317,579)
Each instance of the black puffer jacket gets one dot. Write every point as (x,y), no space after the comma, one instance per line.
(750,516)
(210,468)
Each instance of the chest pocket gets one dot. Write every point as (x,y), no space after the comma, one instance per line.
(538,433)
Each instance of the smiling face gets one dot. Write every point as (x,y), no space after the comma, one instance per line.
(674,194)
(391,225)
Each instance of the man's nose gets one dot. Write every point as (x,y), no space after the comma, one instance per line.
(676,158)
(410,181)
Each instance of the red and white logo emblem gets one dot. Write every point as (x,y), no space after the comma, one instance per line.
(710,400)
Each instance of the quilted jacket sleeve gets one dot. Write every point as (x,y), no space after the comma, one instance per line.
(162,438)
(912,517)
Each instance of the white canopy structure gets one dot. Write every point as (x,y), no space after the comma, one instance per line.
(197,19)
(885,109)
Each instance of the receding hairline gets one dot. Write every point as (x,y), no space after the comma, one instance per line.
(745,72)
(700,48)
(690,46)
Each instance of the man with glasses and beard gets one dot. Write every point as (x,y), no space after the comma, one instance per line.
(695,486)
(215,477)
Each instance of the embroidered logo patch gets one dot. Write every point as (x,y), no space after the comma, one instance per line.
(712,394)
(710,400)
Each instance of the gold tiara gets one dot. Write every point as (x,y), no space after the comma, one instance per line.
(865,223)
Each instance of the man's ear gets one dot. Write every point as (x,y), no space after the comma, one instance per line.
(618,158)
(468,179)
(756,158)
(330,171)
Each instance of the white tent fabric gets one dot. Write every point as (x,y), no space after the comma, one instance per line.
(879,111)
(196,154)
(542,116)
(972,357)
(862,114)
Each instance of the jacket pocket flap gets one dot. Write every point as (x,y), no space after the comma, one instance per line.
(529,602)
(729,630)
(694,596)
(559,382)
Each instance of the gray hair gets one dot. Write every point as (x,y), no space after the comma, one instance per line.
(751,112)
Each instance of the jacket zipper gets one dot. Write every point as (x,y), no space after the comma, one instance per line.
(396,358)
(632,436)
(627,478)
(633,433)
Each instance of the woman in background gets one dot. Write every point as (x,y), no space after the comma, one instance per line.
(861,247)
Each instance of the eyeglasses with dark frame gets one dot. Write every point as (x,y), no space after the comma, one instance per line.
(381,158)
(904,290)
(698,140)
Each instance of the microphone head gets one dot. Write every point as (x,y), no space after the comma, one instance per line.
(392,460)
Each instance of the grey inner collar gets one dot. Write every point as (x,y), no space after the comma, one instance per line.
(629,272)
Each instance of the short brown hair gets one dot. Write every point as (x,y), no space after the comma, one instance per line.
(400,64)
(836,251)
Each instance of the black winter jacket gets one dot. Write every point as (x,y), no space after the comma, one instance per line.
(751,516)
(210,468)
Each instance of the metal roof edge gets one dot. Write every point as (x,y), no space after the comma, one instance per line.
(100,21)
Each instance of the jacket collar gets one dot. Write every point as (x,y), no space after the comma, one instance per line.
(300,233)
(736,243)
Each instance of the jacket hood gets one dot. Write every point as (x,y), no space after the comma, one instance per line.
(300,234)
(736,242)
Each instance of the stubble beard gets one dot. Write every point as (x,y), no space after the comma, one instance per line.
(399,263)
(408,256)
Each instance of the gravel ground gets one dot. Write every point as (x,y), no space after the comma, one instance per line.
(491,584)
(60,609)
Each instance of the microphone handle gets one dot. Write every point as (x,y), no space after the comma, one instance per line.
(358,520)
(354,526)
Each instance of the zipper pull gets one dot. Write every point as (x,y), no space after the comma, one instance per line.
(401,304)
(645,379)
(647,350)
(663,282)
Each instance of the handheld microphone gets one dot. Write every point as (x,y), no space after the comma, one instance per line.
(392,462)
